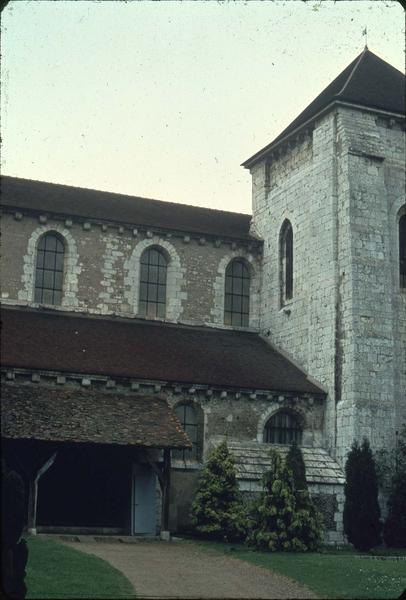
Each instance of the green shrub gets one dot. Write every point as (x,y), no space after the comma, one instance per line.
(394,532)
(295,462)
(283,518)
(361,516)
(217,510)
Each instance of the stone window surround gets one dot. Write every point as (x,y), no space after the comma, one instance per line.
(175,273)
(71,266)
(217,312)
(285,223)
(271,412)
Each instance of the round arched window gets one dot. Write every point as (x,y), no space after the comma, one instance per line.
(237,294)
(153,272)
(282,428)
(49,269)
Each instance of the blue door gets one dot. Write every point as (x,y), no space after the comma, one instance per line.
(144,500)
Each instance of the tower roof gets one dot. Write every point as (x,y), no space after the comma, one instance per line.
(368,81)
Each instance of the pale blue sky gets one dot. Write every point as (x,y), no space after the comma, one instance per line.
(166,99)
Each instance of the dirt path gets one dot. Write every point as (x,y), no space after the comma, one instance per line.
(183,570)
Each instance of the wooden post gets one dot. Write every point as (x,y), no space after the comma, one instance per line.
(166,489)
(33,495)
(32,505)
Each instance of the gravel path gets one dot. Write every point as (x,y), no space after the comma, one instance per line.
(183,570)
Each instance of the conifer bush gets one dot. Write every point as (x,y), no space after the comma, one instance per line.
(283,518)
(394,532)
(307,522)
(361,516)
(217,510)
(295,462)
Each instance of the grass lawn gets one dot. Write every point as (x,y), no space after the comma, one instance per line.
(340,575)
(56,571)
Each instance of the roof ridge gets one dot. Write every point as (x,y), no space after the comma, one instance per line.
(360,58)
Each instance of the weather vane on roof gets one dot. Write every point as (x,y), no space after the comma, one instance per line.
(365,32)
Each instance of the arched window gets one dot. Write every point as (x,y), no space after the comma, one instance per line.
(402,251)
(237,294)
(192,423)
(49,269)
(152,301)
(282,428)
(286,262)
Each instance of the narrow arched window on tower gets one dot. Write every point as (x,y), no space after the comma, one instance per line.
(49,269)
(286,262)
(237,294)
(402,251)
(152,302)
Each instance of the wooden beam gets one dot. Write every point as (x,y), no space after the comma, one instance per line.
(166,489)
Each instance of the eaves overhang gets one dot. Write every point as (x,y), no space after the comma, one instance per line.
(309,124)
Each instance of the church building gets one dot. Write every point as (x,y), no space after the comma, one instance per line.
(138,334)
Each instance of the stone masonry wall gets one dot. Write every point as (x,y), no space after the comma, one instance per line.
(373,401)
(346,323)
(305,327)
(102,269)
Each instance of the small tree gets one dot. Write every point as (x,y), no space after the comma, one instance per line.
(295,462)
(394,532)
(272,514)
(217,510)
(361,509)
(283,519)
(307,524)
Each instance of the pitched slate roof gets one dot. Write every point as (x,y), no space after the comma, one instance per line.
(61,415)
(367,81)
(252,461)
(146,350)
(67,201)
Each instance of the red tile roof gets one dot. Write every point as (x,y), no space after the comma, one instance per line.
(148,350)
(50,198)
(86,416)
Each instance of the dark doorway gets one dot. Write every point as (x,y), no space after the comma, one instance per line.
(87,486)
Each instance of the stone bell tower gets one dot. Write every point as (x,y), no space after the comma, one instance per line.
(333,294)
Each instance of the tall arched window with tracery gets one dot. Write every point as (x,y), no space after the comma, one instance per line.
(283,428)
(402,251)
(286,262)
(153,273)
(237,294)
(49,269)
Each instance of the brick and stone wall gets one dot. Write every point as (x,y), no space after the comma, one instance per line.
(102,268)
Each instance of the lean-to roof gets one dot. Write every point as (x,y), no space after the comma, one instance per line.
(252,461)
(141,349)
